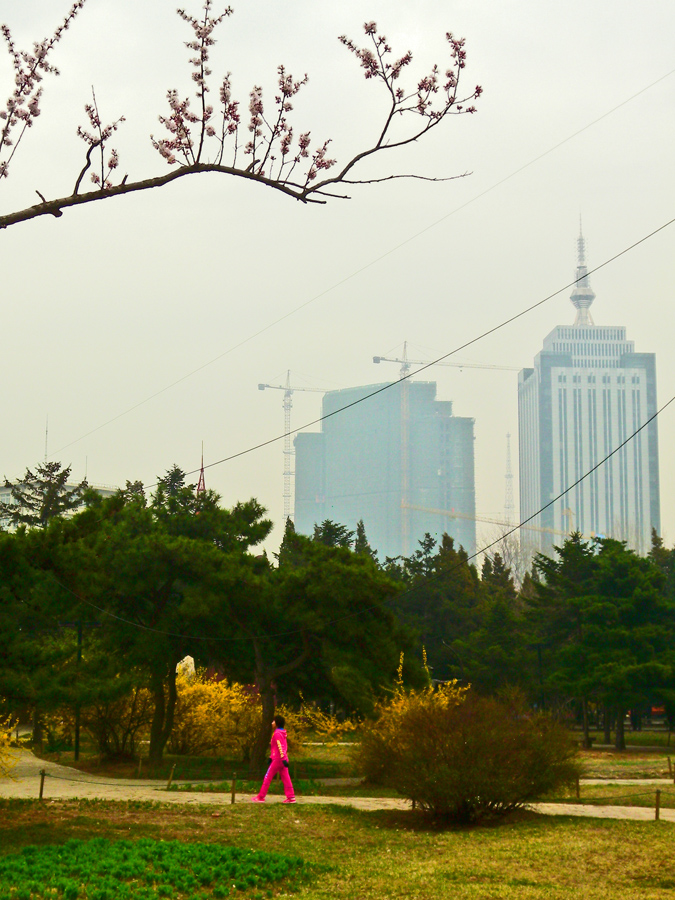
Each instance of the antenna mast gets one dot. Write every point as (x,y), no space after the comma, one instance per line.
(201,484)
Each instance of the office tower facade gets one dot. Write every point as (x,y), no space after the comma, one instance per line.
(587,393)
(400,460)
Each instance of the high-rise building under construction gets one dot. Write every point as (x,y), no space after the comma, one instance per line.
(587,393)
(400,460)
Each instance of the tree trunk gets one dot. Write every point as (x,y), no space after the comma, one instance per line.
(157,726)
(607,723)
(264,679)
(584,712)
(261,747)
(619,736)
(162,719)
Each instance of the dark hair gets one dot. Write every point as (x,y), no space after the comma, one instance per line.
(279,721)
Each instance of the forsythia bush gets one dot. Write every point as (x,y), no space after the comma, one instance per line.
(7,760)
(213,716)
(308,720)
(220,716)
(464,757)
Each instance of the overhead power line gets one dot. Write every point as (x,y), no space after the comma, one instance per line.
(360,612)
(363,268)
(475,340)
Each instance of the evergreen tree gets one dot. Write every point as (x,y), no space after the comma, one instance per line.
(440,602)
(610,626)
(41,495)
(361,544)
(332,534)
(495,652)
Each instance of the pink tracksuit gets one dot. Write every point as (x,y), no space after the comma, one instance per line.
(279,753)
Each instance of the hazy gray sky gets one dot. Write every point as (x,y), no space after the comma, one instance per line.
(114,301)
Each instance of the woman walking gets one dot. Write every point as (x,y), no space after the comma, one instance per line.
(278,763)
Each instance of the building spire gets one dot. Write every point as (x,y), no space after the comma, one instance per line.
(582,296)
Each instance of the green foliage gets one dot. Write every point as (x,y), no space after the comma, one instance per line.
(332,534)
(144,870)
(440,604)
(608,624)
(41,495)
(464,757)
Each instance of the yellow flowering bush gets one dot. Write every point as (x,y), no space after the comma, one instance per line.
(310,720)
(219,716)
(213,716)
(7,758)
(461,756)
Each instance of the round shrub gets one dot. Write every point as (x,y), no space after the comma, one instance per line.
(464,757)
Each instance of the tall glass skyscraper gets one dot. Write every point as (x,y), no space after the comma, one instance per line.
(401,461)
(587,392)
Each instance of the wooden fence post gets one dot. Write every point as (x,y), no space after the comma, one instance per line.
(670,767)
(168,784)
(42,782)
(140,760)
(234,786)
(657,806)
(578,788)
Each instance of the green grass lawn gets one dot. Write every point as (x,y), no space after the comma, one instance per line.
(631,764)
(637,738)
(302,788)
(381,855)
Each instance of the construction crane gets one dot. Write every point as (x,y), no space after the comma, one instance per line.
(288,390)
(405,364)
(509,505)
(452,514)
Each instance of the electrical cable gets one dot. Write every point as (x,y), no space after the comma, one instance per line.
(365,267)
(367,609)
(434,362)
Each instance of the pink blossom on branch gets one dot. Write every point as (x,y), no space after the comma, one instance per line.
(96,139)
(197,136)
(23,105)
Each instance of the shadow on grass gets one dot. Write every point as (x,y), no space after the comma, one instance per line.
(421,822)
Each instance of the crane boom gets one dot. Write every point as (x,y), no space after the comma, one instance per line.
(423,362)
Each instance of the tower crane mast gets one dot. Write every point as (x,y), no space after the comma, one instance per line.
(288,390)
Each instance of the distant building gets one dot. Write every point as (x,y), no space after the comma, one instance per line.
(588,391)
(105,490)
(400,461)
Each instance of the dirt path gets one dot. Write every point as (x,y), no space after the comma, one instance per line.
(62,783)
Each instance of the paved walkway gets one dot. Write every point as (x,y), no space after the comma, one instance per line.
(64,783)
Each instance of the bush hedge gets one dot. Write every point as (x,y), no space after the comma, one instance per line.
(464,757)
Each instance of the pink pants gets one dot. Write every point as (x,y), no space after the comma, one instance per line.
(277,766)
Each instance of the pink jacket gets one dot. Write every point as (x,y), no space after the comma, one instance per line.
(279,746)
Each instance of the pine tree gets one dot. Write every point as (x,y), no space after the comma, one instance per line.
(333,534)
(361,544)
(41,495)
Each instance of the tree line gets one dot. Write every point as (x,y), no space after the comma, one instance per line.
(111,597)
